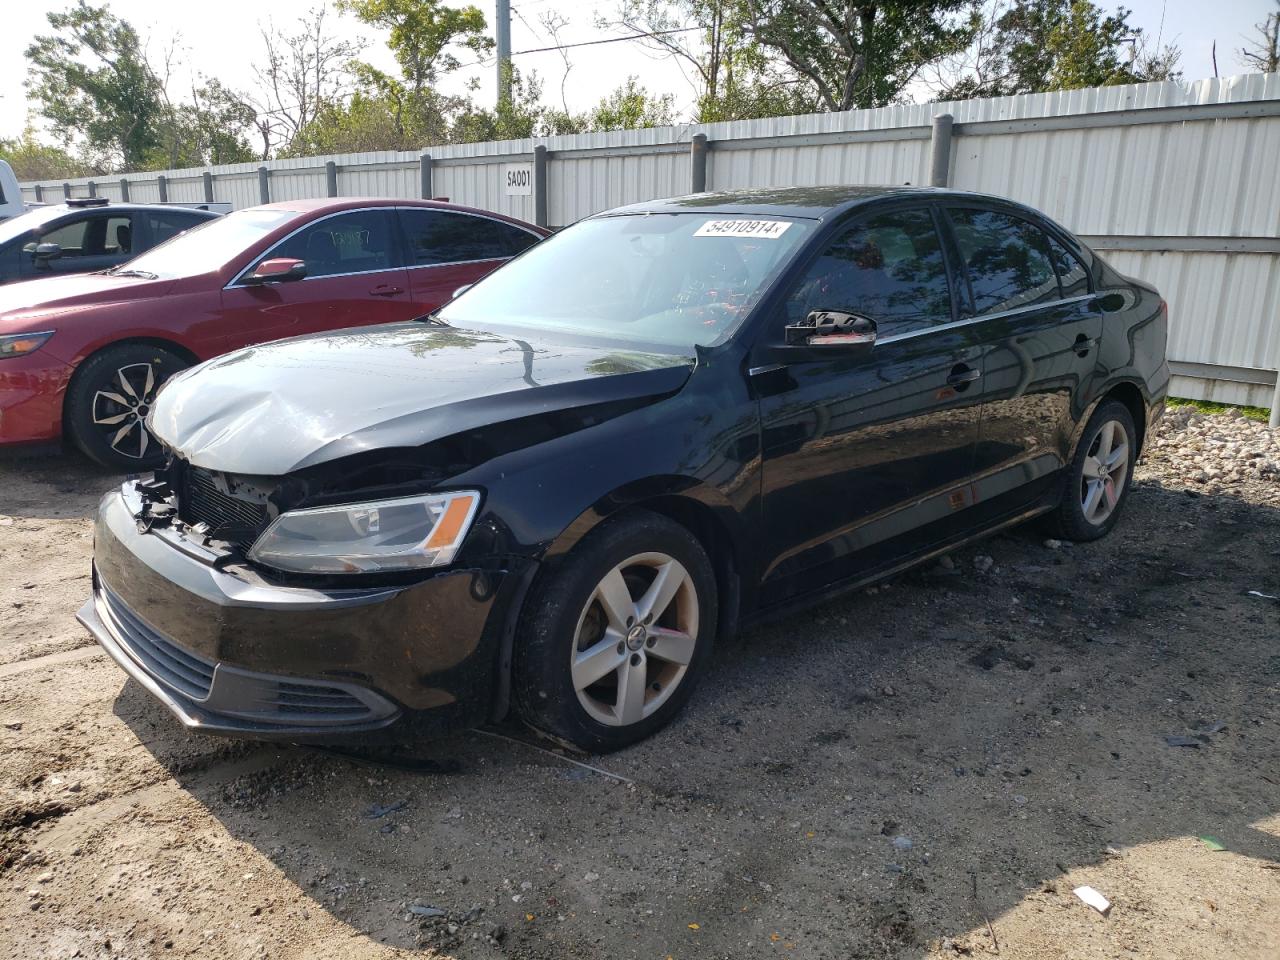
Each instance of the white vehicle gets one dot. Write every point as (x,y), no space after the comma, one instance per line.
(11,203)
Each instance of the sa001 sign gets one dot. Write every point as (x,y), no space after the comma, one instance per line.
(517,179)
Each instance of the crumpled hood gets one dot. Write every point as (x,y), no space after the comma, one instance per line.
(273,409)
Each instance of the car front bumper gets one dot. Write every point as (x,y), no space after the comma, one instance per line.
(229,653)
(31,392)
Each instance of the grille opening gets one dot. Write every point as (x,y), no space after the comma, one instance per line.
(238,520)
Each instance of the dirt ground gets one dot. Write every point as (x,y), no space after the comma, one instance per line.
(926,769)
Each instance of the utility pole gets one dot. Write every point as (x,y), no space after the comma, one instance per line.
(502,18)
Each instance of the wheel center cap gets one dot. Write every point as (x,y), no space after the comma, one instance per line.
(636,637)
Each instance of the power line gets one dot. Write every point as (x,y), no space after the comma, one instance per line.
(593,43)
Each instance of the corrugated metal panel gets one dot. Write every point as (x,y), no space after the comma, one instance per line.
(186,189)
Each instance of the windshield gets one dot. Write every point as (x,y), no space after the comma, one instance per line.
(663,280)
(25,222)
(210,245)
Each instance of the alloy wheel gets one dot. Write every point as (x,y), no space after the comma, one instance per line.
(121,406)
(635,639)
(1104,472)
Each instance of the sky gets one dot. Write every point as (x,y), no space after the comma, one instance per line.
(225,45)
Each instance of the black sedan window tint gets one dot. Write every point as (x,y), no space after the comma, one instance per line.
(889,268)
(354,242)
(438,236)
(1007,260)
(166,225)
(1071,272)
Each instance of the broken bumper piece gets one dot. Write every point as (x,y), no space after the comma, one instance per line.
(229,653)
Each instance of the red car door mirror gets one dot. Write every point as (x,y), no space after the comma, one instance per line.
(277,270)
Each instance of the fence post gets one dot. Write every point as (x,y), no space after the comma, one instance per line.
(93,188)
(540,185)
(124,189)
(424,172)
(39,193)
(207,176)
(698,163)
(264,185)
(163,183)
(940,151)
(1275,404)
(331,177)
(66,190)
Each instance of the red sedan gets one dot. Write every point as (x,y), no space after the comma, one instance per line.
(84,355)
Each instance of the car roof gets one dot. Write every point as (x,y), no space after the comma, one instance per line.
(336,204)
(193,207)
(814,203)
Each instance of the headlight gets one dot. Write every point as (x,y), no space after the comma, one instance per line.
(406,534)
(20,344)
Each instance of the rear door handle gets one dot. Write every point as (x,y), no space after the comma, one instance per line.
(962,375)
(386,290)
(1083,344)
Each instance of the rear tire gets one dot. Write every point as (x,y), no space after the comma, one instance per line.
(110,396)
(613,643)
(1099,476)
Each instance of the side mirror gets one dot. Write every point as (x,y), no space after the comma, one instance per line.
(461,290)
(833,329)
(47,251)
(277,270)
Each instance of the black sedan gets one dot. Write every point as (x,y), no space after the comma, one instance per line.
(650,430)
(81,236)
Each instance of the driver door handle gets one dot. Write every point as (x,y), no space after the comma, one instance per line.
(386,290)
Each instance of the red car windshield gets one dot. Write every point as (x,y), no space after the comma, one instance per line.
(209,246)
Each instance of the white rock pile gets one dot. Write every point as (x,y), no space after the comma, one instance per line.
(1218,452)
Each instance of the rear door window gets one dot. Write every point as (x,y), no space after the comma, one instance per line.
(1006,260)
(443,236)
(889,268)
(361,241)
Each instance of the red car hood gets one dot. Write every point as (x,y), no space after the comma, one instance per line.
(33,301)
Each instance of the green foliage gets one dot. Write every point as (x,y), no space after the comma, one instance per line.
(1040,45)
(210,130)
(858,55)
(422,32)
(91,81)
(32,160)
(1261,414)
(631,107)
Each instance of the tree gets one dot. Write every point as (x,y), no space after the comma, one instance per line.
(32,160)
(306,72)
(1030,46)
(859,54)
(92,82)
(631,107)
(1263,54)
(732,77)
(212,129)
(423,37)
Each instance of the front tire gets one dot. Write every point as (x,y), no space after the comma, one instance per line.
(614,641)
(1099,476)
(109,398)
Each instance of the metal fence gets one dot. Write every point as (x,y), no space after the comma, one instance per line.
(1176,183)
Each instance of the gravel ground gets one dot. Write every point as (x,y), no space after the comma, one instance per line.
(928,768)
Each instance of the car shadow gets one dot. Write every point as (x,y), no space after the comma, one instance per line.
(28,478)
(915,762)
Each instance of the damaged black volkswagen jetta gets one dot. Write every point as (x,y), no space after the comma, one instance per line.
(660,424)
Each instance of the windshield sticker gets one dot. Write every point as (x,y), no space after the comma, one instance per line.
(766,229)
